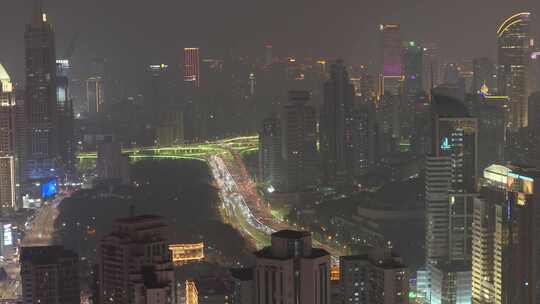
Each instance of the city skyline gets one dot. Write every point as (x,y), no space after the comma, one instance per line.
(358,24)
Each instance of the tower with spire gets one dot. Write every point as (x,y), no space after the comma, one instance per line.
(40,95)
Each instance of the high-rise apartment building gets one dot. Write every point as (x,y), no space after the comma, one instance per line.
(192,62)
(41,101)
(135,263)
(514,46)
(379,277)
(299,133)
(505,227)
(336,126)
(291,271)
(49,274)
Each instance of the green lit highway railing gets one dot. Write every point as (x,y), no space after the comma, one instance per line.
(188,151)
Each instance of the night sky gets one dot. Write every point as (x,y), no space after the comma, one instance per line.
(135,33)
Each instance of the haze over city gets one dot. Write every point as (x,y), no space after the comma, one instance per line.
(265,152)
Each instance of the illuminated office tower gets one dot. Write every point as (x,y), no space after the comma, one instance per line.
(336,127)
(299,149)
(49,274)
(514,46)
(391,81)
(191,67)
(41,96)
(450,181)
(134,262)
(504,236)
(270,160)
(95,94)
(8,140)
(290,271)
(484,73)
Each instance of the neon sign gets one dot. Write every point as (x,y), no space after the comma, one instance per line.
(445,144)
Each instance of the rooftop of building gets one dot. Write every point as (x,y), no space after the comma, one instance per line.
(242,274)
(291,234)
(266,253)
(447,106)
(150,278)
(211,285)
(139,219)
(45,254)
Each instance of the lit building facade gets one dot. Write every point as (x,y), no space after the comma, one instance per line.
(504,236)
(8,141)
(514,46)
(192,73)
(186,253)
(290,271)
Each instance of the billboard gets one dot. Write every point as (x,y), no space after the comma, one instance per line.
(48,189)
(7,236)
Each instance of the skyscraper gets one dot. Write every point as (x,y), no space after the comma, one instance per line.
(451,173)
(504,236)
(299,132)
(95,95)
(134,262)
(270,159)
(450,184)
(391,83)
(191,67)
(336,127)
(484,73)
(413,68)
(431,66)
(49,274)
(8,141)
(41,96)
(64,103)
(514,42)
(290,271)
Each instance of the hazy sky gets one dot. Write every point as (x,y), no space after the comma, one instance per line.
(137,32)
